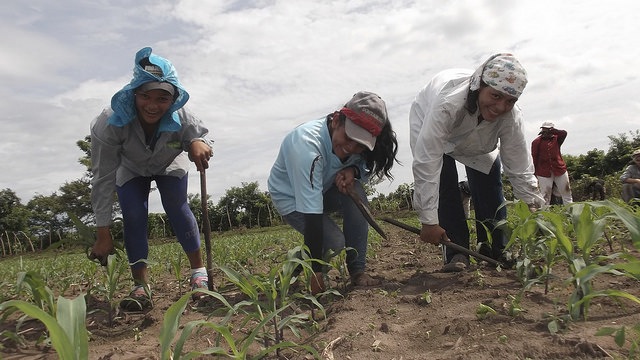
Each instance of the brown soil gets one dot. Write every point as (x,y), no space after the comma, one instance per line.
(393,321)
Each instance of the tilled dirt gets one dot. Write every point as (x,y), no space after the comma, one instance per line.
(418,312)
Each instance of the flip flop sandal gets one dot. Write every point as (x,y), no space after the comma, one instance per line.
(139,299)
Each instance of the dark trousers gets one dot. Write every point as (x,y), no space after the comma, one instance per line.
(487,196)
(134,202)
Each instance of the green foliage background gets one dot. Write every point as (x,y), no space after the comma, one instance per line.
(43,221)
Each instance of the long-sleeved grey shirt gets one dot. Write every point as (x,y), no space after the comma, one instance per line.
(119,154)
(631,172)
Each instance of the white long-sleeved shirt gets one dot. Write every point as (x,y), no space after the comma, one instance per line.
(439,124)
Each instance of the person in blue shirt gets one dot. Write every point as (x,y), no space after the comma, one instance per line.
(146,135)
(319,162)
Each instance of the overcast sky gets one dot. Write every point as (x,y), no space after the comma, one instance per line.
(256,69)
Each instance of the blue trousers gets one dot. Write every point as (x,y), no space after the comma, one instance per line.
(355,229)
(133,197)
(487,196)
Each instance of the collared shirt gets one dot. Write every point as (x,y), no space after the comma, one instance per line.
(306,168)
(631,172)
(119,154)
(546,155)
(439,124)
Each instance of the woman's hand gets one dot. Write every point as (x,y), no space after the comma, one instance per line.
(345,179)
(432,234)
(200,153)
(103,247)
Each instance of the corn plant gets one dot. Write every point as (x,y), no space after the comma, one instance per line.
(113,275)
(67,328)
(271,294)
(265,314)
(623,336)
(524,244)
(339,262)
(552,246)
(35,288)
(588,222)
(171,323)
(515,308)
(557,324)
(238,348)
(544,237)
(483,311)
(175,267)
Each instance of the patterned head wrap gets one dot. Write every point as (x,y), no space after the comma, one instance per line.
(502,72)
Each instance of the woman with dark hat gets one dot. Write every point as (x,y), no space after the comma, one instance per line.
(318,164)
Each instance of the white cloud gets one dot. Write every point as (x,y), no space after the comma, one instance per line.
(255,69)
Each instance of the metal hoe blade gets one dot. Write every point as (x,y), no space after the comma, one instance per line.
(446,243)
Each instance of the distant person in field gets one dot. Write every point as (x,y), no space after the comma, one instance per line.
(147,135)
(319,162)
(550,168)
(631,178)
(596,189)
(461,115)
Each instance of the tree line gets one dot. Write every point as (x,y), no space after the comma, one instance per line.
(46,220)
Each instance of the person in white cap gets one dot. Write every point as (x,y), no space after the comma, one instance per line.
(461,115)
(550,167)
(319,162)
(146,135)
(631,178)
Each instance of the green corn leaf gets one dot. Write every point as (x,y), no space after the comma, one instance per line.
(285,345)
(240,281)
(605,331)
(619,337)
(557,229)
(184,335)
(631,268)
(227,336)
(59,339)
(629,219)
(210,351)
(521,210)
(587,273)
(72,317)
(170,325)
(589,229)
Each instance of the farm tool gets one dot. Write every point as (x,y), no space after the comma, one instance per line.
(366,212)
(445,242)
(206,227)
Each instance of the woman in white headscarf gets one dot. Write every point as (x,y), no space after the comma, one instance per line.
(462,116)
